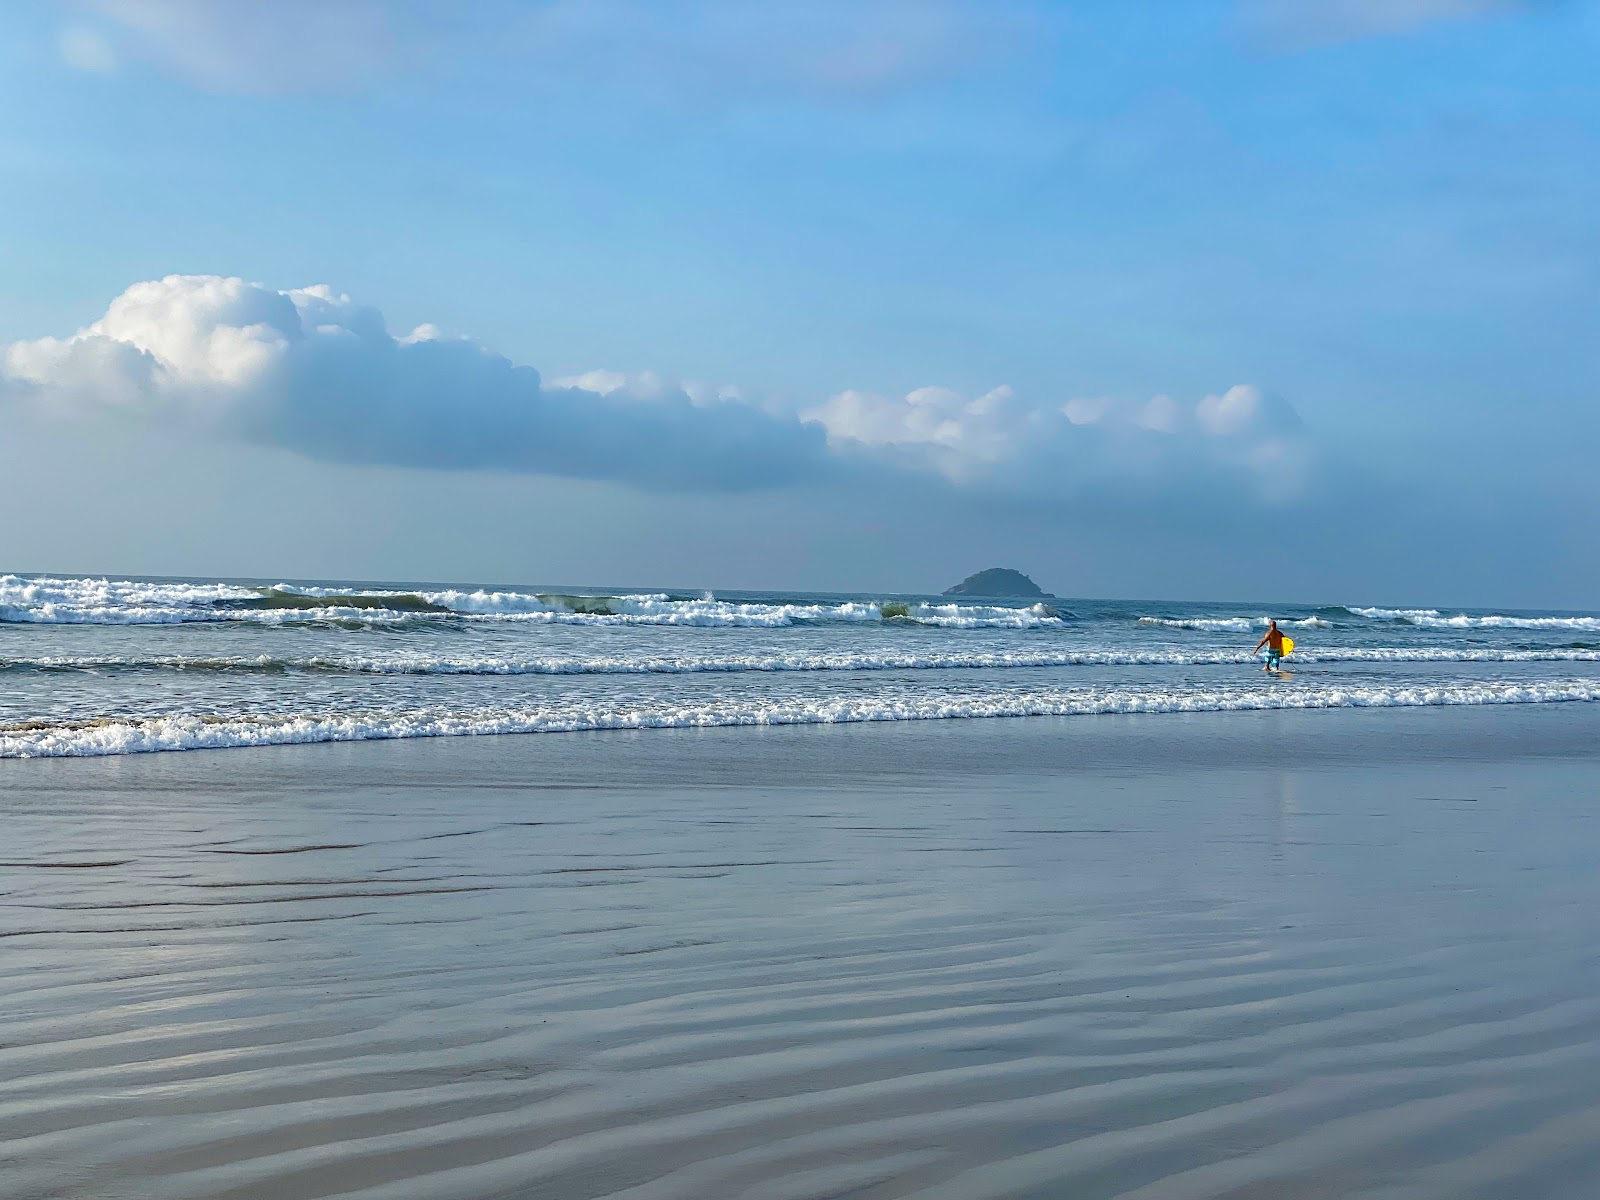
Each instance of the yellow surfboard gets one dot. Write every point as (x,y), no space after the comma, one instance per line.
(1288,646)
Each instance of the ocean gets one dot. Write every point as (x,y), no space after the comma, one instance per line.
(104,666)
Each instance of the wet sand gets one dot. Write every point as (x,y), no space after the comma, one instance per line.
(1254,956)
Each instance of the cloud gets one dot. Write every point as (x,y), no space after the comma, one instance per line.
(712,48)
(1299,23)
(312,371)
(228,46)
(87,50)
(701,49)
(1239,439)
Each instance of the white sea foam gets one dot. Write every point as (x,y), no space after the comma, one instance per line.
(107,593)
(51,601)
(1393,614)
(130,736)
(1495,621)
(810,661)
(60,614)
(1234,624)
(1432,618)
(1219,624)
(58,601)
(661,609)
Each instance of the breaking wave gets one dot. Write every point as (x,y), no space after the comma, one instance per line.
(46,600)
(1234,624)
(1432,618)
(284,597)
(770,663)
(113,736)
(1424,618)
(50,601)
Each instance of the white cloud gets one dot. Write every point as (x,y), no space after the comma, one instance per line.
(717,48)
(1158,414)
(87,50)
(1320,22)
(932,416)
(311,370)
(601,383)
(1233,412)
(705,50)
(223,46)
(998,440)
(1085,410)
(648,385)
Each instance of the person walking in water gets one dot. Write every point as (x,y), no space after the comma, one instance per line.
(1273,641)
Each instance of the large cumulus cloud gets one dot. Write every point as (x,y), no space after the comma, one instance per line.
(312,371)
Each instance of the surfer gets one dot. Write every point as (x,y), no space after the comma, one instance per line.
(1273,641)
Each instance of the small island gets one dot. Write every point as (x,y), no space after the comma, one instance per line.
(999,582)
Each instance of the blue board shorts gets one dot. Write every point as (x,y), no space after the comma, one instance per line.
(1274,657)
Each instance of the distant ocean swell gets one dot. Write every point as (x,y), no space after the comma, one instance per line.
(63,601)
(769,663)
(112,736)
(45,601)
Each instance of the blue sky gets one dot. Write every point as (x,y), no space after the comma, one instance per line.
(1244,298)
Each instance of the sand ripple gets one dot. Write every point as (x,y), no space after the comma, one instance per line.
(1256,985)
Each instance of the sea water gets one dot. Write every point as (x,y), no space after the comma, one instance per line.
(97,666)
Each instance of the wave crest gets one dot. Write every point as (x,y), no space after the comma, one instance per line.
(106,602)
(1234,624)
(114,736)
(812,661)
(1432,618)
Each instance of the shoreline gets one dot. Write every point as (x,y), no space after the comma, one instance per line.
(1349,734)
(115,737)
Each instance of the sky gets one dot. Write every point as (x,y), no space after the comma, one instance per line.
(1278,299)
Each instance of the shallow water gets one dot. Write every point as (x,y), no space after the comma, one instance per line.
(1247,955)
(104,667)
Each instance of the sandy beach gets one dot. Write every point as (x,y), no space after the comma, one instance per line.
(1251,955)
